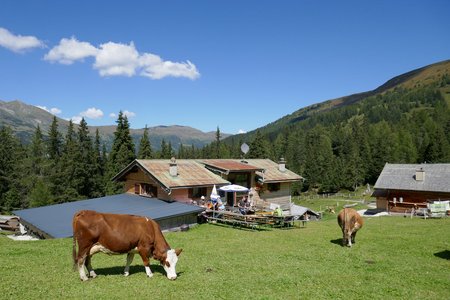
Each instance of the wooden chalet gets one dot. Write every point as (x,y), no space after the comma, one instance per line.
(185,180)
(402,187)
(180,180)
(269,180)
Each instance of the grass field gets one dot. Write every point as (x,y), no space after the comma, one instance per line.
(394,257)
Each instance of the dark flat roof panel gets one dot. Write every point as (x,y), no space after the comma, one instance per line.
(56,220)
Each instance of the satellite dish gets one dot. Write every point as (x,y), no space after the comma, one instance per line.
(245,148)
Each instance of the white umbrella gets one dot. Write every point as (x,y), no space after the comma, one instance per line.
(233,188)
(214,194)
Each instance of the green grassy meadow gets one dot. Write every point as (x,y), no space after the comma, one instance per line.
(394,257)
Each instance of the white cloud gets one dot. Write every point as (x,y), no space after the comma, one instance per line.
(129,114)
(112,115)
(241,131)
(53,110)
(70,50)
(92,113)
(18,43)
(116,59)
(155,68)
(76,119)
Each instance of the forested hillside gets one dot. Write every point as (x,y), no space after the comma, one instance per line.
(345,142)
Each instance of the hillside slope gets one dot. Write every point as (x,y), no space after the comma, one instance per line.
(416,78)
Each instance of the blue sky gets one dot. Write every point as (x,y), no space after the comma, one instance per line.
(234,64)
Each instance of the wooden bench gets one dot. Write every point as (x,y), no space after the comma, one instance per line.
(233,222)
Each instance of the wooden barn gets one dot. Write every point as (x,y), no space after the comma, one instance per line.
(402,187)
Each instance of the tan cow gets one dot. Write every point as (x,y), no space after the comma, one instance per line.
(350,222)
(119,234)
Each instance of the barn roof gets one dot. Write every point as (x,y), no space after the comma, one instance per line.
(403,177)
(56,220)
(190,173)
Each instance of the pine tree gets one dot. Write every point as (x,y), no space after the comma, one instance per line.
(55,174)
(68,166)
(259,147)
(218,136)
(169,153)
(182,152)
(98,184)
(84,162)
(122,153)
(319,161)
(54,142)
(40,195)
(11,160)
(164,149)
(37,153)
(145,148)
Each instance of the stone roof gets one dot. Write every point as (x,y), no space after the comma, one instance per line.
(403,177)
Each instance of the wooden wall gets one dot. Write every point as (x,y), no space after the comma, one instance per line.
(411,199)
(281,197)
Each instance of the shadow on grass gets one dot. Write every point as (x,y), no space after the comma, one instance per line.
(443,254)
(337,242)
(133,270)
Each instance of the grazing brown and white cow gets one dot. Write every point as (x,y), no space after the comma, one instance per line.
(119,234)
(350,222)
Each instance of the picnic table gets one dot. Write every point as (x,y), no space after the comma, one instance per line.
(254,221)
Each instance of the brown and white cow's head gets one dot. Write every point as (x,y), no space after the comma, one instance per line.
(170,262)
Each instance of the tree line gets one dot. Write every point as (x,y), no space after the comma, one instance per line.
(341,148)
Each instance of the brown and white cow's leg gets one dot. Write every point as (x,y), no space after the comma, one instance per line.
(80,264)
(130,257)
(89,267)
(144,255)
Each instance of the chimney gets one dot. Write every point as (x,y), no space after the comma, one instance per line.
(282,165)
(420,175)
(173,169)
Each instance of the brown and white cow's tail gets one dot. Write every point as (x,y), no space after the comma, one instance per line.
(74,243)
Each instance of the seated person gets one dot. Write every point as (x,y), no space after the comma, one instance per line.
(219,204)
(244,206)
(202,201)
(278,212)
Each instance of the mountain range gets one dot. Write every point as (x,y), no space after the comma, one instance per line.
(23,119)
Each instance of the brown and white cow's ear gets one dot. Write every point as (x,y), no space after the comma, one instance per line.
(178,251)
